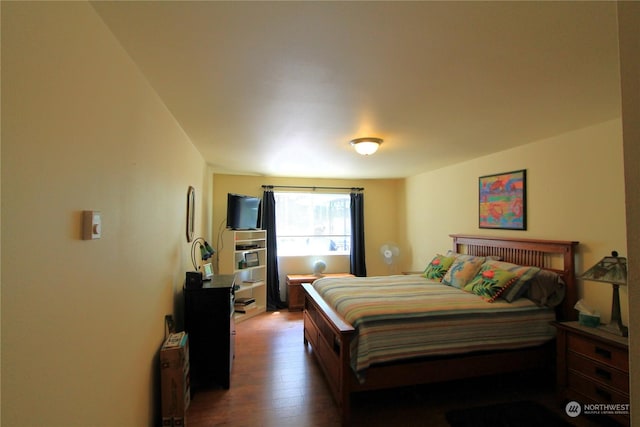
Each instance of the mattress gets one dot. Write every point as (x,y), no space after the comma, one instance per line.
(407,316)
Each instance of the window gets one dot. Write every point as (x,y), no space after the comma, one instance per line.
(313,224)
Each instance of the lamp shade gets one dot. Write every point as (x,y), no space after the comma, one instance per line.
(610,269)
(366,146)
(206,251)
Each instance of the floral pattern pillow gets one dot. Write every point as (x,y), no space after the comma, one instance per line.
(438,266)
(523,275)
(490,282)
(463,269)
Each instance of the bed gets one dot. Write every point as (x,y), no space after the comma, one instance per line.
(332,329)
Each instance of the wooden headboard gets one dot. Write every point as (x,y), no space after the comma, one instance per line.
(530,252)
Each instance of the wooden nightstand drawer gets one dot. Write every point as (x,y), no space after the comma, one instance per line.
(595,391)
(294,290)
(592,366)
(599,372)
(599,351)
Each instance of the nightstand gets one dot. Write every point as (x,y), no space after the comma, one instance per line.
(593,366)
(294,288)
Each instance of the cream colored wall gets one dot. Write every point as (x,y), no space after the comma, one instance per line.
(575,191)
(0,244)
(383,222)
(82,321)
(629,22)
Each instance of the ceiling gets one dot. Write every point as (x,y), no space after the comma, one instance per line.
(280,88)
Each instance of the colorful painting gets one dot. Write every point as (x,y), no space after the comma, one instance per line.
(503,201)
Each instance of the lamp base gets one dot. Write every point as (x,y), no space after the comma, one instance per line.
(615,325)
(615,329)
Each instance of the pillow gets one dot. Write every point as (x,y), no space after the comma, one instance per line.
(438,267)
(463,269)
(523,274)
(546,289)
(490,282)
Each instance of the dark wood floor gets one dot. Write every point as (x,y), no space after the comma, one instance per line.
(275,381)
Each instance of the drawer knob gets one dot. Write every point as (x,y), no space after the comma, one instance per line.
(603,352)
(603,393)
(604,374)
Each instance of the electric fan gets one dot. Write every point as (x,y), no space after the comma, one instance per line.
(390,253)
(319,267)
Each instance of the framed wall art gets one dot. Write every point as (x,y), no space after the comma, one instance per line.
(503,200)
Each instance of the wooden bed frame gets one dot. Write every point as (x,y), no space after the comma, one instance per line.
(330,335)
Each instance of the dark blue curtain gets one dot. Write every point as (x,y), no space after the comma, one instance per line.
(358,265)
(269,223)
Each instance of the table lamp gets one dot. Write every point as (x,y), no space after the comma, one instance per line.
(206,251)
(194,279)
(611,269)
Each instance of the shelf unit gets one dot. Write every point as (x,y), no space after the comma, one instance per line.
(251,280)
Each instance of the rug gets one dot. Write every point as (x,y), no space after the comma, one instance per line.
(511,414)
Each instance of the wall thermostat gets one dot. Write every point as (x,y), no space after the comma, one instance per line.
(91,225)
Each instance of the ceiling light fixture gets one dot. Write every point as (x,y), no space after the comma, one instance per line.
(366,146)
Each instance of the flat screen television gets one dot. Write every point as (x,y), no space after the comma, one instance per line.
(243,212)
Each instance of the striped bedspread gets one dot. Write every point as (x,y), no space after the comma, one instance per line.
(408,316)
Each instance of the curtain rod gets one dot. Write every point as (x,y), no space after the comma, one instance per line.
(271,187)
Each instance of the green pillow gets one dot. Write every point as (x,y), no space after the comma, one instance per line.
(490,282)
(463,269)
(523,275)
(438,267)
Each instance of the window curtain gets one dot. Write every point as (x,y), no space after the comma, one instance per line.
(269,224)
(358,265)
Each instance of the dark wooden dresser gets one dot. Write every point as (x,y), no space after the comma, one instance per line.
(208,318)
(593,368)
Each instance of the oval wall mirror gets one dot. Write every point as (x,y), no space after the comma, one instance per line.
(191,212)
